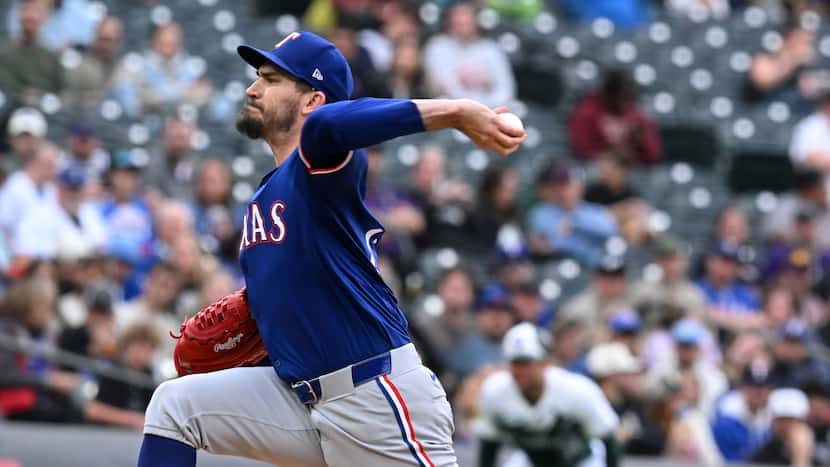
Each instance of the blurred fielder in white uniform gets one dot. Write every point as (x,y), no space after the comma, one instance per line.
(551,416)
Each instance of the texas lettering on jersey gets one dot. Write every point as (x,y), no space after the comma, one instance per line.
(260,226)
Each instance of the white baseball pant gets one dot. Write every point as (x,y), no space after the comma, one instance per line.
(401,419)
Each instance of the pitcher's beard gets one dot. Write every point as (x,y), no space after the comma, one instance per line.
(253,126)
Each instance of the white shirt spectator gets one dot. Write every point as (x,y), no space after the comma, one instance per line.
(42,228)
(811,136)
(476,70)
(17,196)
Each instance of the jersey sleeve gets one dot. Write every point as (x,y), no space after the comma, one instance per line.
(485,426)
(592,409)
(332,132)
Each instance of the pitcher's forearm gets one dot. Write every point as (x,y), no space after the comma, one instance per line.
(439,114)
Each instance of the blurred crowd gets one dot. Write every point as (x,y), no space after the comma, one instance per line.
(706,356)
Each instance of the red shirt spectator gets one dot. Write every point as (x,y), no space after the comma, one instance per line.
(611,121)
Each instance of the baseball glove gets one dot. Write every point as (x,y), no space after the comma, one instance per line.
(221,335)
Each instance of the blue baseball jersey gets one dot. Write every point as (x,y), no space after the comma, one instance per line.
(308,245)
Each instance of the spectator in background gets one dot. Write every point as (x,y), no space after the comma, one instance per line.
(400,216)
(368,82)
(563,224)
(688,435)
(447,202)
(613,190)
(780,306)
(91,79)
(173,220)
(27,70)
(398,23)
(172,167)
(607,294)
(809,195)
(610,121)
(794,364)
(625,326)
(529,305)
(810,142)
(790,74)
(497,206)
(83,149)
(618,375)
(118,403)
(166,77)
(126,215)
(215,215)
(791,441)
(733,226)
(28,187)
(625,14)
(42,229)
(26,129)
(96,336)
(674,288)
(155,307)
(742,421)
(570,342)
(462,64)
(686,359)
(406,76)
(732,305)
(494,317)
(439,333)
(30,387)
(67,23)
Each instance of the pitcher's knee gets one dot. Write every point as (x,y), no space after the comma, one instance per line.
(170,412)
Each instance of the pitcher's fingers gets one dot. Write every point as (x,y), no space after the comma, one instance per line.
(502,109)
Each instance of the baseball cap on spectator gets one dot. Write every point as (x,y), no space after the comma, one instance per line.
(561,172)
(524,342)
(611,359)
(27,120)
(309,58)
(726,250)
(794,330)
(626,321)
(611,265)
(73,177)
(124,160)
(98,300)
(688,332)
(756,375)
(494,297)
(667,246)
(788,403)
(82,129)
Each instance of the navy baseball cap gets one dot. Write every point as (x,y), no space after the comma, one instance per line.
(73,177)
(310,58)
(626,321)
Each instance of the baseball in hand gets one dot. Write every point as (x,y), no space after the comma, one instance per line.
(512,120)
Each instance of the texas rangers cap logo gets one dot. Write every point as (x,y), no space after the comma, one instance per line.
(287,38)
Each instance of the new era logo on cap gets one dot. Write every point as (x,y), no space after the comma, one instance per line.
(317,75)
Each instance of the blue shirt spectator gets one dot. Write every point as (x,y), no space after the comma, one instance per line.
(720,285)
(626,14)
(73,23)
(563,224)
(741,422)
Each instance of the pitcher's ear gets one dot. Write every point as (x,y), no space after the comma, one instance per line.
(313,101)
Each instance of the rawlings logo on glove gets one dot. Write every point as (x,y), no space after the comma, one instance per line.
(221,335)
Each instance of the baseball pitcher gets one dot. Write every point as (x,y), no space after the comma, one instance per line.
(345,387)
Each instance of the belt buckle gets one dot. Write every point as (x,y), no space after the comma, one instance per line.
(310,390)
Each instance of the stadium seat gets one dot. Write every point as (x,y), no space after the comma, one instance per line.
(759,171)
